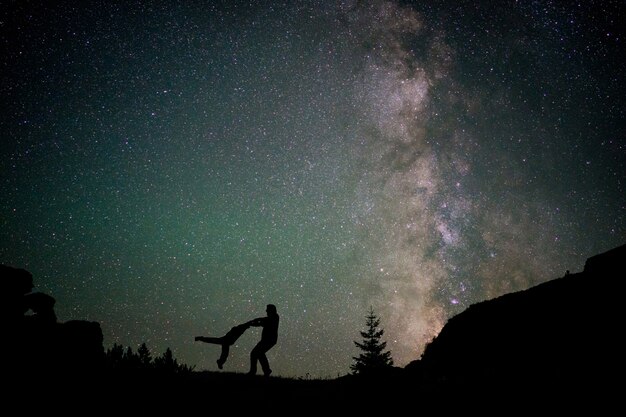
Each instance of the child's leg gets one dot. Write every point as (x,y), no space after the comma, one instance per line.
(213,340)
(223,356)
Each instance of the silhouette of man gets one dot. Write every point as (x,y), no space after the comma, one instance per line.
(226,341)
(269,337)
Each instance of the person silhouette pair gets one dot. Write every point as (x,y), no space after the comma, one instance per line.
(269,338)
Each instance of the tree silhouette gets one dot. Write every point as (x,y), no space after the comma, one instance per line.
(131,359)
(145,358)
(115,356)
(167,363)
(120,359)
(373,356)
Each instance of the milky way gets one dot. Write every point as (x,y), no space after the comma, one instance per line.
(167,170)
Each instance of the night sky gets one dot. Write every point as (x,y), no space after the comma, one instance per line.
(169,169)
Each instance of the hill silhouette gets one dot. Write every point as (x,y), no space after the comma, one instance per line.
(557,343)
(560,336)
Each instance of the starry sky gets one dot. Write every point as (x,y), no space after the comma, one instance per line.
(169,168)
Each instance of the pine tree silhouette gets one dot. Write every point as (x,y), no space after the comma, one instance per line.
(166,362)
(374,357)
(131,359)
(115,356)
(120,359)
(145,358)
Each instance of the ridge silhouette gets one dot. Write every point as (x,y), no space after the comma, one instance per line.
(557,344)
(562,335)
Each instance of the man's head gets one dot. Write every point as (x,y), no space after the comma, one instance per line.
(271,310)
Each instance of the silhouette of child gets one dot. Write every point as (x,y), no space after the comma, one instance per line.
(226,341)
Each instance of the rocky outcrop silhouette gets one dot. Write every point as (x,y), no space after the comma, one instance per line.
(38,345)
(562,333)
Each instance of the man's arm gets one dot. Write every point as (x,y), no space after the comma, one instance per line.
(258,322)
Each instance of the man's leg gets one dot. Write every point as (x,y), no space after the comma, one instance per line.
(265,365)
(254,357)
